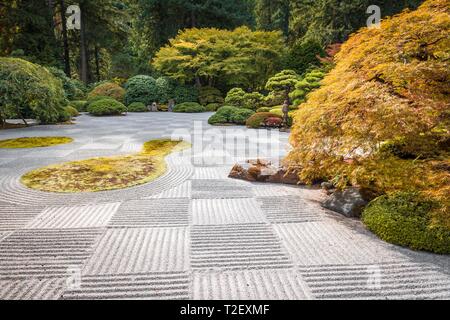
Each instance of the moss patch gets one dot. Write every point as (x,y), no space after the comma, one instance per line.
(38,142)
(102,174)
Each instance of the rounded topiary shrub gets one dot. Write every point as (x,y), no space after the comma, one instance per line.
(230,115)
(241,116)
(189,107)
(264,109)
(405,219)
(106,107)
(141,89)
(137,107)
(258,119)
(28,90)
(108,89)
(72,111)
(217,118)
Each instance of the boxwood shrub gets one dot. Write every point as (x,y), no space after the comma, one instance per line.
(189,107)
(229,114)
(405,219)
(106,107)
(141,88)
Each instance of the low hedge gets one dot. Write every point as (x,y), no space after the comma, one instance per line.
(189,107)
(405,219)
(258,119)
(137,107)
(106,107)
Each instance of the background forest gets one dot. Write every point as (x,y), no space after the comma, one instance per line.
(118,39)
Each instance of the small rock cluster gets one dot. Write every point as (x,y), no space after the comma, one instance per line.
(264,171)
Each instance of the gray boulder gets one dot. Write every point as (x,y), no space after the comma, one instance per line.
(349,202)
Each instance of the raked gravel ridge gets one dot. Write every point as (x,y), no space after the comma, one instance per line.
(193,233)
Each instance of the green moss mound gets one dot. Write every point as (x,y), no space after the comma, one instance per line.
(106,107)
(107,173)
(35,142)
(405,219)
(189,107)
(28,90)
(137,107)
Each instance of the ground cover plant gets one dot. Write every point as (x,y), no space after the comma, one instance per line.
(33,142)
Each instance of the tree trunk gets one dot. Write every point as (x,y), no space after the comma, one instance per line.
(198,82)
(97,63)
(83,50)
(65,40)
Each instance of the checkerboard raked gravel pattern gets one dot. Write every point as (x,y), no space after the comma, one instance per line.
(193,233)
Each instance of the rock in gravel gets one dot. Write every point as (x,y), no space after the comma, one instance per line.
(263,171)
(349,202)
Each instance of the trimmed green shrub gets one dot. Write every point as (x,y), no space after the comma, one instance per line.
(258,119)
(108,89)
(217,118)
(309,83)
(241,116)
(141,88)
(189,107)
(213,107)
(106,107)
(72,111)
(229,114)
(137,107)
(80,105)
(234,97)
(239,98)
(404,219)
(29,90)
(207,95)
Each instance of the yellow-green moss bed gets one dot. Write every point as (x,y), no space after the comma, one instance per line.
(107,173)
(36,142)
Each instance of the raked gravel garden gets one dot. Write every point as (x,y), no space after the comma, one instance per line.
(192,233)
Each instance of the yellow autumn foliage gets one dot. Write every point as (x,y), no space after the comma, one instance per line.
(389,84)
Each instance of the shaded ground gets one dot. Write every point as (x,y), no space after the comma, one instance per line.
(193,233)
